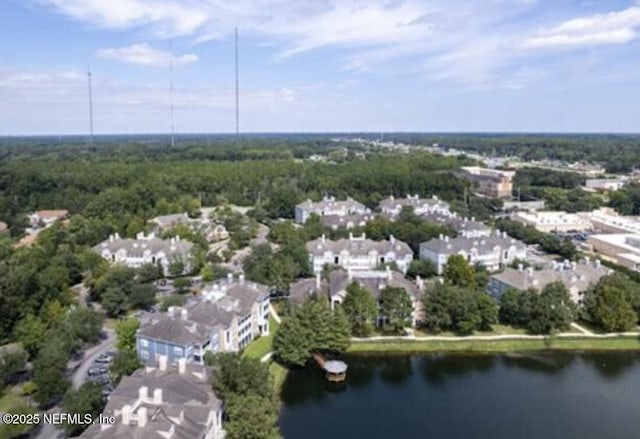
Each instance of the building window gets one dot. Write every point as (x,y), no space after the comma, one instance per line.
(144,355)
(382,260)
(144,343)
(153,259)
(506,254)
(336,260)
(178,351)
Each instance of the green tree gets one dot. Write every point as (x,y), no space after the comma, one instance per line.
(437,300)
(423,268)
(176,267)
(182,284)
(552,310)
(361,310)
(609,306)
(114,301)
(85,324)
(124,363)
(459,273)
(396,308)
(487,310)
(13,359)
(148,273)
(86,400)
(30,332)
(49,369)
(241,376)
(251,417)
(207,273)
(126,333)
(515,307)
(172,300)
(142,296)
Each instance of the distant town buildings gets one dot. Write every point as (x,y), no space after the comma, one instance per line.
(530,206)
(358,253)
(554,221)
(163,401)
(329,206)
(229,315)
(577,277)
(491,182)
(147,250)
(605,184)
(608,220)
(493,252)
(622,248)
(391,206)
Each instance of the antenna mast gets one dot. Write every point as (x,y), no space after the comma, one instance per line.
(173,140)
(237,85)
(90,107)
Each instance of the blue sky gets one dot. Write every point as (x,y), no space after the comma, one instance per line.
(321,65)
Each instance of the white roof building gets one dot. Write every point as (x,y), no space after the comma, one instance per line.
(554,221)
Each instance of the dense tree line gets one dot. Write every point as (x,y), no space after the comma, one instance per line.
(613,303)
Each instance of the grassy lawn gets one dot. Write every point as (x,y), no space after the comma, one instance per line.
(408,346)
(279,374)
(262,346)
(11,399)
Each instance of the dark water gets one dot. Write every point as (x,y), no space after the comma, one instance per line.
(546,396)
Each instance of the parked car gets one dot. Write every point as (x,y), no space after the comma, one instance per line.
(95,371)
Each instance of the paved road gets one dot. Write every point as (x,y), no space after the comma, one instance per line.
(78,376)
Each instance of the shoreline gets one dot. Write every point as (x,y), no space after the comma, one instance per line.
(502,343)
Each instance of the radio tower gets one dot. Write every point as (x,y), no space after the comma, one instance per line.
(237,86)
(90,106)
(173,140)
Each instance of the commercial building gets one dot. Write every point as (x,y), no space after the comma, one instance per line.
(147,249)
(358,253)
(491,182)
(529,206)
(605,184)
(607,220)
(554,221)
(494,252)
(329,206)
(577,277)
(162,401)
(229,315)
(622,248)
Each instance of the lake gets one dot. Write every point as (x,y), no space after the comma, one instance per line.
(535,395)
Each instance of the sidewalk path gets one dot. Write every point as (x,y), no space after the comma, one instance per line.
(492,337)
(581,329)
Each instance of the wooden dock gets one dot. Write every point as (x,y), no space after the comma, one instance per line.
(335,371)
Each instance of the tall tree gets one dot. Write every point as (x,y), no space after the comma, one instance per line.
(30,332)
(49,375)
(86,400)
(608,305)
(396,308)
(361,310)
(459,273)
(126,333)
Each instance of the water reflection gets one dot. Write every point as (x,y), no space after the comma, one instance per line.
(544,363)
(436,369)
(609,366)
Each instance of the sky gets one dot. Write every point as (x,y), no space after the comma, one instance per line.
(320,65)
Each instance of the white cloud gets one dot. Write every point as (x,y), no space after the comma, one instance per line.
(166,17)
(146,55)
(601,29)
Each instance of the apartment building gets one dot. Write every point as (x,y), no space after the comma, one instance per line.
(491,182)
(329,206)
(554,221)
(391,206)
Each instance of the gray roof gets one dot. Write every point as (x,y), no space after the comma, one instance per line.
(580,275)
(455,222)
(348,221)
(176,330)
(358,246)
(412,201)
(327,202)
(173,247)
(165,221)
(302,289)
(373,281)
(483,245)
(189,393)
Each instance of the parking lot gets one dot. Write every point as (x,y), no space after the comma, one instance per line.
(99,372)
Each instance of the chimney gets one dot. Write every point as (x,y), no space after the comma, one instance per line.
(392,239)
(573,266)
(520,268)
(441,237)
(389,273)
(420,283)
(364,235)
(318,280)
(473,218)
(117,235)
(142,417)
(530,271)
(324,237)
(172,311)
(126,414)
(157,396)
(182,366)
(162,363)
(143,394)
(184,314)
(587,259)
(349,275)
(229,278)
(111,238)
(173,240)
(446,238)
(139,235)
(350,236)
(597,263)
(177,238)
(241,278)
